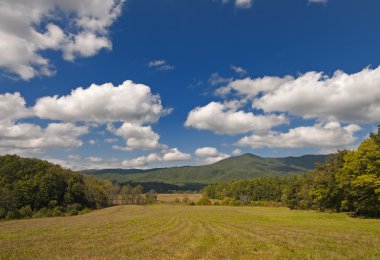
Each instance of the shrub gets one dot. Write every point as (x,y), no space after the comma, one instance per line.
(204,201)
(25,212)
(43,212)
(73,209)
(84,211)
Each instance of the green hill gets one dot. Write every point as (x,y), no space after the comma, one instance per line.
(246,166)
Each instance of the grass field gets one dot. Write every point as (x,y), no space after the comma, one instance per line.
(173,197)
(163,231)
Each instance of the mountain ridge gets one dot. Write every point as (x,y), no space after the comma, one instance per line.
(245,166)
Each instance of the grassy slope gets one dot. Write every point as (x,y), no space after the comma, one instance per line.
(235,168)
(185,232)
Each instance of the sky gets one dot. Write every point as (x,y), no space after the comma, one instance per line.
(143,84)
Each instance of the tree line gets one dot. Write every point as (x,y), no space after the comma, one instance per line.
(349,181)
(37,188)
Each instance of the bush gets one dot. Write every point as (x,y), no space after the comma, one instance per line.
(42,213)
(73,209)
(57,212)
(84,211)
(204,201)
(12,215)
(25,212)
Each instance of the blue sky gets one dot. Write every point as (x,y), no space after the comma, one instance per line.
(186,82)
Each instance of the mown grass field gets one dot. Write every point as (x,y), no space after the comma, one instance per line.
(164,231)
(181,197)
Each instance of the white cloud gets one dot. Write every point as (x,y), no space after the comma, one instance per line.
(211,160)
(161,65)
(251,87)
(243,3)
(216,79)
(220,119)
(206,152)
(238,70)
(24,138)
(94,159)
(175,155)
(210,155)
(168,155)
(92,142)
(35,138)
(351,98)
(236,152)
(76,28)
(78,163)
(138,137)
(13,106)
(128,102)
(330,135)
(111,140)
(142,161)
(318,1)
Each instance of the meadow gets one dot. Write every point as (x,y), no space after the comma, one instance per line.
(165,231)
(172,197)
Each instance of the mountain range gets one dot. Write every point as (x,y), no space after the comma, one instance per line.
(246,166)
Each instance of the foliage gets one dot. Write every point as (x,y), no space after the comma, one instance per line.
(349,181)
(36,188)
(204,201)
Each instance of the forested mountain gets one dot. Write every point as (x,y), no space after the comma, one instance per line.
(246,166)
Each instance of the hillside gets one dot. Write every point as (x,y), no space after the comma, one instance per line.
(235,168)
(35,188)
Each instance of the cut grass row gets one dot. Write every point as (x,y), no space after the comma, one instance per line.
(165,231)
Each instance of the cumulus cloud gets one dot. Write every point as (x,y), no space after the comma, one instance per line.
(138,137)
(77,163)
(76,28)
(161,65)
(33,138)
(24,138)
(330,135)
(236,152)
(131,104)
(13,106)
(168,155)
(175,155)
(206,152)
(220,119)
(350,98)
(128,102)
(210,155)
(249,87)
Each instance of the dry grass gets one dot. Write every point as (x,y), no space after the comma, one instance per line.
(173,197)
(165,231)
